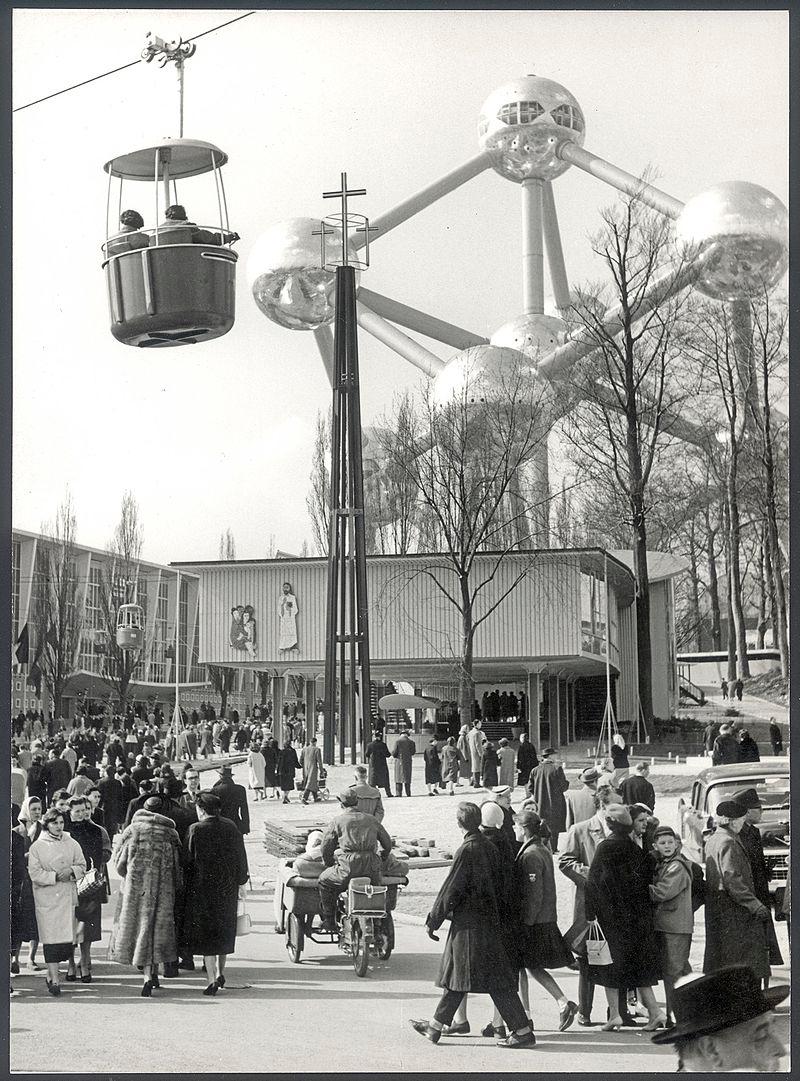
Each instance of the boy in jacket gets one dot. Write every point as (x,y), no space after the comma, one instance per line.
(671,893)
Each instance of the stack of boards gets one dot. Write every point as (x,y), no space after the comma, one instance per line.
(288,839)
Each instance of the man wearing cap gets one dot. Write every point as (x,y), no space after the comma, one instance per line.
(580,801)
(233,798)
(637,789)
(724,1023)
(369,798)
(736,921)
(548,784)
(349,850)
(147,789)
(750,838)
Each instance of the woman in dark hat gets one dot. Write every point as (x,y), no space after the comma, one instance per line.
(489,765)
(736,920)
(617,895)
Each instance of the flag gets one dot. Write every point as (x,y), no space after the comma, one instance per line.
(23,646)
(35,678)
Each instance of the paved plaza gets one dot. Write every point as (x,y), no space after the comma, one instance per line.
(274,1016)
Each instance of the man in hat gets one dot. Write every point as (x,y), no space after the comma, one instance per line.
(724,1023)
(369,798)
(548,784)
(580,801)
(637,789)
(527,759)
(750,839)
(736,920)
(233,798)
(726,748)
(349,850)
(147,789)
(403,753)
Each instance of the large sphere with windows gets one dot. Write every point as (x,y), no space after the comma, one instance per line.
(535,336)
(740,231)
(487,380)
(522,124)
(286,276)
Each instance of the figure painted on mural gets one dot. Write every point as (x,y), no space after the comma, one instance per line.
(236,637)
(287,612)
(249,630)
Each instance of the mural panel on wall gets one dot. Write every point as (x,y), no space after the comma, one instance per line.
(242,635)
(287,616)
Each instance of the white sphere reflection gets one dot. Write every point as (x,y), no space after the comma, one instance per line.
(285,274)
(741,231)
(522,124)
(535,336)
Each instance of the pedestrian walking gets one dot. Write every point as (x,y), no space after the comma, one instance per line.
(507,757)
(288,765)
(726,749)
(215,866)
(233,800)
(376,754)
(638,789)
(90,838)
(748,748)
(619,759)
(736,920)
(738,689)
(547,785)
(452,760)
(464,748)
(489,764)
(751,840)
(527,759)
(403,754)
(433,767)
(775,739)
(475,740)
(311,761)
(724,688)
(269,750)
(671,894)
(474,959)
(617,896)
(580,801)
(256,769)
(710,733)
(149,861)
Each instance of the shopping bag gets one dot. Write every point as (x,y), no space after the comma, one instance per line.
(597,948)
(243,921)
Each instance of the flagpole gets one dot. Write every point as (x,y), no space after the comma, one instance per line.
(176,716)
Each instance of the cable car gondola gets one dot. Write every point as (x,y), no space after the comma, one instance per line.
(173,284)
(130,626)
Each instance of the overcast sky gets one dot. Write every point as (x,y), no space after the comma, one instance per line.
(220,435)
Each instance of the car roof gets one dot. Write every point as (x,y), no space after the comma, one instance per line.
(745,770)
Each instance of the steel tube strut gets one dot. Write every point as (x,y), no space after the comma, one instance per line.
(552,245)
(423,323)
(618,178)
(404,346)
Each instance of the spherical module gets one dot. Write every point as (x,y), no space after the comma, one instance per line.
(285,275)
(522,124)
(535,336)
(740,232)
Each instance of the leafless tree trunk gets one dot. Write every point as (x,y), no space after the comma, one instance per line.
(119,584)
(227,545)
(318,498)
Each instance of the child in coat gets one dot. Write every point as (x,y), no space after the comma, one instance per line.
(671,893)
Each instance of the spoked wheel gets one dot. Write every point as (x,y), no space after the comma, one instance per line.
(294,938)
(384,940)
(360,950)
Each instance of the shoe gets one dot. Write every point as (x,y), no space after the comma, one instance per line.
(528,1040)
(147,989)
(53,988)
(34,967)
(285,800)
(586,1021)
(220,980)
(461,1029)
(566,1016)
(15,968)
(154,980)
(434,793)
(628,1022)
(186,963)
(490,1030)
(328,923)
(657,1022)
(426,1030)
(86,977)
(211,989)
(614,1024)
(70,977)
(171,970)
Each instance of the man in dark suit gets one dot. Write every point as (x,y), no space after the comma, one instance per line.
(637,789)
(234,800)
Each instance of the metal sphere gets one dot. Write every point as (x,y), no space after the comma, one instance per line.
(285,276)
(741,230)
(522,124)
(535,336)
(485,374)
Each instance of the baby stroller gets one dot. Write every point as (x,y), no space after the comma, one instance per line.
(324,791)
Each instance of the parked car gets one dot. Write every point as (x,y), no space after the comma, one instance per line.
(771,781)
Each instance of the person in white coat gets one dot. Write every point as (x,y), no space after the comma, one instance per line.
(475,741)
(55,865)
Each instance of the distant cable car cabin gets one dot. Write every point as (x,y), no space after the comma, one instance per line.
(130,629)
(173,284)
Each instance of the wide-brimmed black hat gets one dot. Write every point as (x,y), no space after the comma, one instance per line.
(748,797)
(719,1000)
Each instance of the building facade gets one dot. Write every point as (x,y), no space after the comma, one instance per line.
(565,630)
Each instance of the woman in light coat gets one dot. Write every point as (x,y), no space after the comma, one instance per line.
(56,864)
(256,768)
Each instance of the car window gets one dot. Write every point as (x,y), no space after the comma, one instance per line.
(697,788)
(772,791)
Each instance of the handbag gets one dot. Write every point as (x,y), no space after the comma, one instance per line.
(598,952)
(91,887)
(243,922)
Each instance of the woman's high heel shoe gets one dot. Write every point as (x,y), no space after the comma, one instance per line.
(211,989)
(53,988)
(612,1025)
(657,1022)
(147,989)
(154,980)
(220,981)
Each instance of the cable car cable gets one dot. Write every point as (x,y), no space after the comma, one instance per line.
(123,67)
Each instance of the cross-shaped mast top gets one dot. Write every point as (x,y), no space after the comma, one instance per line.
(344,194)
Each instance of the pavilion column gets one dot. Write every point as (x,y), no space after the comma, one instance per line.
(277,708)
(534,727)
(554,711)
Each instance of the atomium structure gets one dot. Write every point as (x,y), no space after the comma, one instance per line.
(530,131)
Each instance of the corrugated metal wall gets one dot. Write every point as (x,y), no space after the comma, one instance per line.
(409,615)
(628,683)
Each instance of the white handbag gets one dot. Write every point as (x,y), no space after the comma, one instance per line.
(598,951)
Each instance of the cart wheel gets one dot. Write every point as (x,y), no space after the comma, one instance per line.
(360,950)
(384,939)
(294,938)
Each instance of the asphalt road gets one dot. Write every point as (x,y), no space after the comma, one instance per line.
(274,1016)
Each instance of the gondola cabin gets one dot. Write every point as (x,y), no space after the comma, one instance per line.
(130,627)
(172,283)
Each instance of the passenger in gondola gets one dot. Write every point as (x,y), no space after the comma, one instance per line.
(175,229)
(129,238)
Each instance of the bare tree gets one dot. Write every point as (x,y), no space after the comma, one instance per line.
(463,461)
(227,545)
(319,497)
(119,584)
(221,679)
(58,604)
(633,385)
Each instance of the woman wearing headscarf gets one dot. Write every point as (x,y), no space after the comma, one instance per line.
(619,759)
(90,837)
(56,864)
(618,897)
(256,768)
